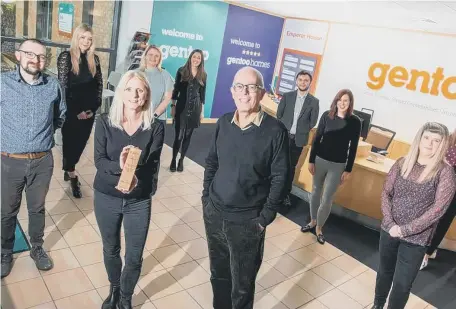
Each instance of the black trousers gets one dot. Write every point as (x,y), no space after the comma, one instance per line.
(400,262)
(158,167)
(295,153)
(235,255)
(135,214)
(182,139)
(35,177)
(75,134)
(442,227)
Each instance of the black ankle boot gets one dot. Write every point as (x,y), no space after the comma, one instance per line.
(76,187)
(377,307)
(113,298)
(66,176)
(124,303)
(172,167)
(180,165)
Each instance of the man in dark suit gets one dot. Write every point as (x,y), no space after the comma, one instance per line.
(298,111)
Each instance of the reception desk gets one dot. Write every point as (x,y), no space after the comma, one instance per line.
(361,193)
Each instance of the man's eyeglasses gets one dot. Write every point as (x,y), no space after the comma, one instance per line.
(238,87)
(31,55)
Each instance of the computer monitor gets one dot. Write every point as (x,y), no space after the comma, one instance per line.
(366,119)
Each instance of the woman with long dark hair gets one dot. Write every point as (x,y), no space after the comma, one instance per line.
(187,107)
(79,72)
(416,194)
(331,158)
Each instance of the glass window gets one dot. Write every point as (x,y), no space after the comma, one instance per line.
(26,16)
(44,20)
(39,19)
(8,27)
(87,12)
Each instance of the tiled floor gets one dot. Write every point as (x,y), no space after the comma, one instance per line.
(296,272)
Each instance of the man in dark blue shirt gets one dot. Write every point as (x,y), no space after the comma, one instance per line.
(245,183)
(33,107)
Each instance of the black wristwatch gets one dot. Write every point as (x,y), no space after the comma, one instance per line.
(155,115)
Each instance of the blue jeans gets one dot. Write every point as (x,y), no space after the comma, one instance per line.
(135,213)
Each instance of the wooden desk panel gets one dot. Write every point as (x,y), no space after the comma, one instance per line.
(363,190)
(269,106)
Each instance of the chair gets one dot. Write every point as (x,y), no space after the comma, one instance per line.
(108,94)
(380,138)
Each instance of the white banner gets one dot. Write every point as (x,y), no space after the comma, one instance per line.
(407,78)
(302,46)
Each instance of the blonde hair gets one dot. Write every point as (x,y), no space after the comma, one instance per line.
(116,113)
(143,62)
(75,52)
(435,165)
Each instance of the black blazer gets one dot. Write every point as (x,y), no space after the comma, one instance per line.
(307,118)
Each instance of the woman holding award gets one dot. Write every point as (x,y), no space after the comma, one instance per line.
(129,124)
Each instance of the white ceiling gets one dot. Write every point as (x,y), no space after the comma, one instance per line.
(434,16)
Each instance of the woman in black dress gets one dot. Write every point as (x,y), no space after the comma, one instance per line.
(187,107)
(79,72)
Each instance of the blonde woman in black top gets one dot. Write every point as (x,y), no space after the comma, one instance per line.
(128,124)
(79,73)
(187,107)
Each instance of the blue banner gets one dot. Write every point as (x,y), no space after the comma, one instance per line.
(251,39)
(179,27)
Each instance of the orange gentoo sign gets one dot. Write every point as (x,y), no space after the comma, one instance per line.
(397,76)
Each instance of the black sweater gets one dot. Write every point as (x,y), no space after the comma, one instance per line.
(336,140)
(109,142)
(247,171)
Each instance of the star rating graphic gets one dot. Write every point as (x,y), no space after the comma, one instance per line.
(251,53)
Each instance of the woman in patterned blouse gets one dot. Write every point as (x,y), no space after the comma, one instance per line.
(416,194)
(447,219)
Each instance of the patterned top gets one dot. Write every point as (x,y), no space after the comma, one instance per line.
(451,156)
(30,114)
(416,207)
